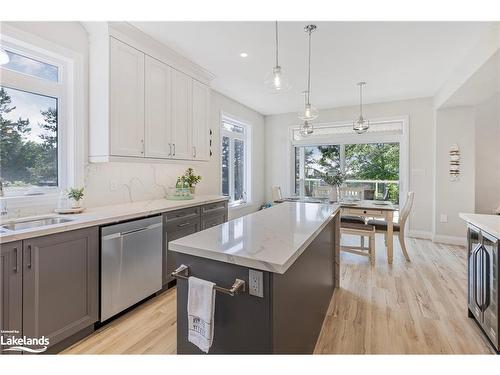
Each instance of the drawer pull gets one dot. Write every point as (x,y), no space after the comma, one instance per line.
(183,224)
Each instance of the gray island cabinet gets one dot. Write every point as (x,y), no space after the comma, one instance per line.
(292,250)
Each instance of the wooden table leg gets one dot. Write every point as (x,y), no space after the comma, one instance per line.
(390,241)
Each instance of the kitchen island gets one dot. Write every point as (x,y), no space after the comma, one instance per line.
(288,257)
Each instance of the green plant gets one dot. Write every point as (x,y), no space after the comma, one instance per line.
(75,193)
(190,177)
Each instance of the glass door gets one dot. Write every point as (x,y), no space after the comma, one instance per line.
(490,290)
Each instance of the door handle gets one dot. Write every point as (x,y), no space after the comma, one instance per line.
(29,257)
(16,255)
(486,280)
(474,257)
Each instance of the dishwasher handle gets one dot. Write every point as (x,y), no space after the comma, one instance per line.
(131,231)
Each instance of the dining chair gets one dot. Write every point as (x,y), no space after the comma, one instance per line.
(351,192)
(381,225)
(361,230)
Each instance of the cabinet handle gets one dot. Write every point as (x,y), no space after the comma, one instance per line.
(30,254)
(194,151)
(170,149)
(486,280)
(183,224)
(16,254)
(142,145)
(174,148)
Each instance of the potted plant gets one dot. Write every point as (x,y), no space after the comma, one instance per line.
(335,178)
(75,194)
(191,179)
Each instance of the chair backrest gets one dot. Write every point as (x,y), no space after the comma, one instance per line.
(351,192)
(321,191)
(405,211)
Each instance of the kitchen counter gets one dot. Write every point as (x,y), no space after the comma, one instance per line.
(268,240)
(107,215)
(488,223)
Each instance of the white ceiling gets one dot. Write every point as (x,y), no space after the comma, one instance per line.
(399,60)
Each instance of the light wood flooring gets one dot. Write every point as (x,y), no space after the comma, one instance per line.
(407,308)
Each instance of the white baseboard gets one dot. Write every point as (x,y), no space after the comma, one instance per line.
(423,234)
(450,240)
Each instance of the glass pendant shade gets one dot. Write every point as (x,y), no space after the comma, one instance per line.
(276,81)
(361,125)
(306,129)
(4,57)
(309,113)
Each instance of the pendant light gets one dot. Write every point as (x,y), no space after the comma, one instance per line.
(306,129)
(4,57)
(276,81)
(309,113)
(361,125)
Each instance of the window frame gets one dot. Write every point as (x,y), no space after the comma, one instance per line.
(402,138)
(246,138)
(70,93)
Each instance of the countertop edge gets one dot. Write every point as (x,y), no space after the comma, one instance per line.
(478,221)
(253,263)
(91,222)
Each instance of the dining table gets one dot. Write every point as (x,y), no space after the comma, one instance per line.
(374,209)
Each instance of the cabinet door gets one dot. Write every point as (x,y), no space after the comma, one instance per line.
(126,98)
(201,136)
(158,115)
(60,284)
(11,291)
(212,221)
(490,287)
(182,92)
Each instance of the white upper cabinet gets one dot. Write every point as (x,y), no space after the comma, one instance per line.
(126,100)
(146,102)
(201,135)
(182,124)
(158,116)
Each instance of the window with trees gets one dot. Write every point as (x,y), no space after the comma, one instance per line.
(31,93)
(234,155)
(373,167)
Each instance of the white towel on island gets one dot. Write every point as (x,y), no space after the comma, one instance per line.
(200,310)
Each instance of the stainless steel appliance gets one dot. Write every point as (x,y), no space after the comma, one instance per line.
(483,282)
(131,263)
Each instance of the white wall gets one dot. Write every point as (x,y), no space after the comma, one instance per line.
(454,126)
(487,139)
(141,181)
(421,125)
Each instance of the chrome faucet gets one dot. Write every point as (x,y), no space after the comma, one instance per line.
(3,203)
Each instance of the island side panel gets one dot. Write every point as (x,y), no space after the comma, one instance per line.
(242,322)
(336,249)
(301,296)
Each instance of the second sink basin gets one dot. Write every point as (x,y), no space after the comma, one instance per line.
(34,223)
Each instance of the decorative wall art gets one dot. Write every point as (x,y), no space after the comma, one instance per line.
(454,162)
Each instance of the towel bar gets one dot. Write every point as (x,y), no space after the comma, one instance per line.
(238,287)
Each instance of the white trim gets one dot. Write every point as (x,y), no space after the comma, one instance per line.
(449,240)
(403,139)
(72,118)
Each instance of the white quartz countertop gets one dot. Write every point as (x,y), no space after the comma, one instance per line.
(489,223)
(108,214)
(268,240)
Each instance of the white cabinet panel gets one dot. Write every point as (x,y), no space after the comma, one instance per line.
(126,100)
(158,115)
(201,136)
(182,90)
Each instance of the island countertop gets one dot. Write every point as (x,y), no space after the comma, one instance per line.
(488,223)
(268,240)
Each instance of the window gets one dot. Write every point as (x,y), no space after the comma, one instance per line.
(31,94)
(234,160)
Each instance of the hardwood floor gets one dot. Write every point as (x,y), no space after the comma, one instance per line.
(406,308)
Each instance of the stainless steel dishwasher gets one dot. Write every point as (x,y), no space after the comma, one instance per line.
(131,263)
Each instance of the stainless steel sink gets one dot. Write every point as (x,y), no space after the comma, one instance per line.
(33,223)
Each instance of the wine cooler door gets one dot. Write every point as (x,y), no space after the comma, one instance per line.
(490,287)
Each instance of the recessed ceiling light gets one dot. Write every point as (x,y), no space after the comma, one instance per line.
(244,54)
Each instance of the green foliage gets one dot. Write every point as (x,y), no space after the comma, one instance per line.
(22,161)
(190,177)
(76,193)
(333,177)
(372,161)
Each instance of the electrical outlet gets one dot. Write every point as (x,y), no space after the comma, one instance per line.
(256,283)
(443,218)
(113,185)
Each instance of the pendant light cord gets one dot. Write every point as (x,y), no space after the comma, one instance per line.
(277,45)
(361,100)
(309,71)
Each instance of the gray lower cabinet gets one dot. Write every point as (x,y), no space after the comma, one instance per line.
(181,223)
(60,284)
(11,290)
